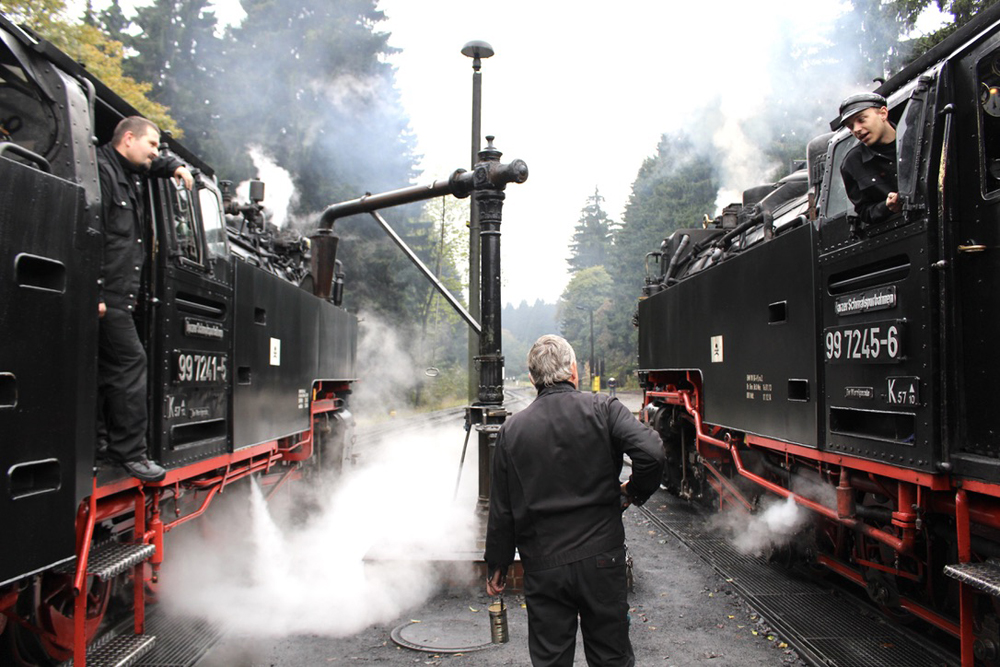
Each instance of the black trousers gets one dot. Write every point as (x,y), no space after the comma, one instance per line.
(121,373)
(593,589)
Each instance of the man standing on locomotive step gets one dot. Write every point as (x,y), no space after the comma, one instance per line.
(556,495)
(123,163)
(869,169)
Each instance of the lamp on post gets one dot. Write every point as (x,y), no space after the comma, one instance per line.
(591,311)
(477,50)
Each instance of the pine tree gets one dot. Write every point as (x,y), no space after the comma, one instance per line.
(592,236)
(179,53)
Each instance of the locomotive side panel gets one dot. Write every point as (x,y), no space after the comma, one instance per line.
(338,337)
(48,325)
(880,348)
(275,356)
(973,195)
(191,342)
(740,325)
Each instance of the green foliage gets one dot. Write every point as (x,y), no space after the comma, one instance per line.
(100,54)
(178,52)
(961,11)
(592,236)
(522,326)
(587,299)
(674,189)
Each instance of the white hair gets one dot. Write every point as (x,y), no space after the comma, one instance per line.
(550,360)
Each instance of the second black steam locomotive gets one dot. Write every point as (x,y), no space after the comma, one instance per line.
(789,350)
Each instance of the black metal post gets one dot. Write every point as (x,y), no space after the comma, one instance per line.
(488,412)
(592,350)
(477,50)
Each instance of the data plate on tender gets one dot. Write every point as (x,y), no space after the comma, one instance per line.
(872,342)
(200,367)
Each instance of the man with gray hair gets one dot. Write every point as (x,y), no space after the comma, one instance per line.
(556,496)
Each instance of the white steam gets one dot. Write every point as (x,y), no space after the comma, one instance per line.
(386,370)
(298,564)
(779,521)
(280,195)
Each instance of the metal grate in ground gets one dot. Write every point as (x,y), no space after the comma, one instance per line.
(179,642)
(824,626)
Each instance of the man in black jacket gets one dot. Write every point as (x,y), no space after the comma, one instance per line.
(123,163)
(556,495)
(869,169)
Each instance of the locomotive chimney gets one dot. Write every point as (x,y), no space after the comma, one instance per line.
(324,258)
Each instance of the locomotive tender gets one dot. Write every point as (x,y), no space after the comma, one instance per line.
(790,350)
(251,361)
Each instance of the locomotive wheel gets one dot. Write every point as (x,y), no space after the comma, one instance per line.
(48,605)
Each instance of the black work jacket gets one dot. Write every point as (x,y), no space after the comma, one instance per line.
(123,225)
(555,492)
(869,176)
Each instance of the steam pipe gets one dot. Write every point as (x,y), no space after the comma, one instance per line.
(458,184)
(675,258)
(904,545)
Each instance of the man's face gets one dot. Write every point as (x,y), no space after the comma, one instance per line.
(871,126)
(141,150)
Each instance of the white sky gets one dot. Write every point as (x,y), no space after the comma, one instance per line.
(579,91)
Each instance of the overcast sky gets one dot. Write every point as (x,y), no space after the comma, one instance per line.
(580,91)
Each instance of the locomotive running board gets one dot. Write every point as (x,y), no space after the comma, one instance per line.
(982,576)
(120,651)
(109,559)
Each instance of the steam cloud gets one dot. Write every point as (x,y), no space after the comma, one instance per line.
(280,195)
(779,521)
(268,569)
(387,371)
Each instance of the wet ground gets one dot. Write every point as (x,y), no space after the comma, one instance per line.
(682,613)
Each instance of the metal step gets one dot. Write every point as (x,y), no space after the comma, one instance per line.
(983,576)
(111,558)
(180,642)
(120,651)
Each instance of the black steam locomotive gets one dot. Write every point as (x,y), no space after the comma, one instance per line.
(788,349)
(251,361)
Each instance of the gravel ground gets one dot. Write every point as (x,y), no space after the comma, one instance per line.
(682,613)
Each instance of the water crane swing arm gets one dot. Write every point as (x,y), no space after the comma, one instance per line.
(487,175)
(449,297)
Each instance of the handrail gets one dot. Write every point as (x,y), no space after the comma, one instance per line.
(31,156)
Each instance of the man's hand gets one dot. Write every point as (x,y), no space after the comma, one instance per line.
(182,173)
(892,202)
(626,499)
(496,583)
(101,309)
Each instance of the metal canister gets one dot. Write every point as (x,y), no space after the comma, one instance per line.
(498,622)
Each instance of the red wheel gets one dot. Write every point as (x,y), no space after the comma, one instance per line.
(46,635)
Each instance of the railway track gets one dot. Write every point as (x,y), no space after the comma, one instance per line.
(827,626)
(514,400)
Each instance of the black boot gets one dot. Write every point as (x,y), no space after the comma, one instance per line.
(145,470)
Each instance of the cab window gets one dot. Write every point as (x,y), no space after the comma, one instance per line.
(215,226)
(185,236)
(988,71)
(837,202)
